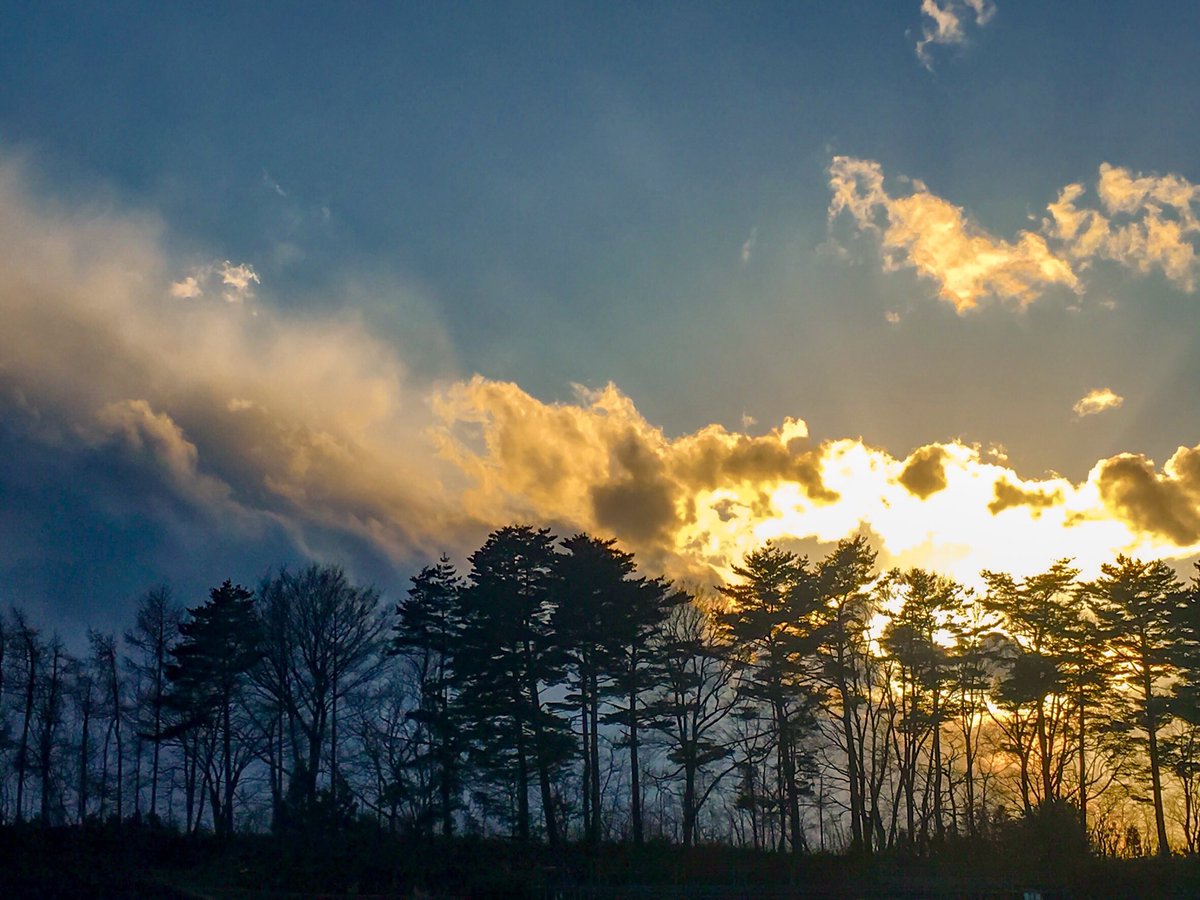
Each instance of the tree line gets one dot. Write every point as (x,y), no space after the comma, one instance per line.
(552,692)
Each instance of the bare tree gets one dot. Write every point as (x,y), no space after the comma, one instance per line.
(150,640)
(323,638)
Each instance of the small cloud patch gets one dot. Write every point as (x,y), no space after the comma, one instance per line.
(233,283)
(925,472)
(1097,401)
(946,23)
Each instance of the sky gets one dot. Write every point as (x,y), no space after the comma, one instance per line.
(284,282)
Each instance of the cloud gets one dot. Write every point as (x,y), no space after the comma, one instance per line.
(926,233)
(748,245)
(598,464)
(312,427)
(1096,401)
(307,423)
(272,185)
(233,283)
(1009,495)
(187,289)
(140,430)
(924,472)
(946,23)
(1144,223)
(1165,504)
(694,504)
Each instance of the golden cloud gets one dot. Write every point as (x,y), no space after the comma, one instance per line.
(1096,401)
(924,471)
(598,464)
(697,503)
(1009,495)
(924,232)
(946,23)
(314,424)
(1166,504)
(1148,223)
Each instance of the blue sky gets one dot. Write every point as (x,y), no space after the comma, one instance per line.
(551,195)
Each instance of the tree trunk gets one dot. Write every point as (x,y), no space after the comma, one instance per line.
(595,754)
(1044,752)
(226,829)
(857,838)
(522,785)
(1082,770)
(83,767)
(158,704)
(23,747)
(1160,821)
(939,825)
(635,772)
(689,803)
(585,716)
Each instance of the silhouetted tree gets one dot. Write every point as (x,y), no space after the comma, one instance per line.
(1041,614)
(29,649)
(696,695)
(508,655)
(970,678)
(1181,752)
(220,646)
(634,665)
(50,714)
(155,631)
(599,598)
(911,638)
(426,633)
(774,627)
(844,578)
(1137,606)
(105,660)
(84,695)
(321,637)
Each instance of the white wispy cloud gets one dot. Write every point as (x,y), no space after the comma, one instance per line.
(187,289)
(748,245)
(233,283)
(1096,401)
(272,185)
(946,23)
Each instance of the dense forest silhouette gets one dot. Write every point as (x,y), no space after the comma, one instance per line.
(552,697)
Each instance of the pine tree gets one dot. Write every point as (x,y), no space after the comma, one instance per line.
(508,655)
(427,631)
(843,579)
(923,667)
(773,624)
(220,644)
(635,661)
(1137,604)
